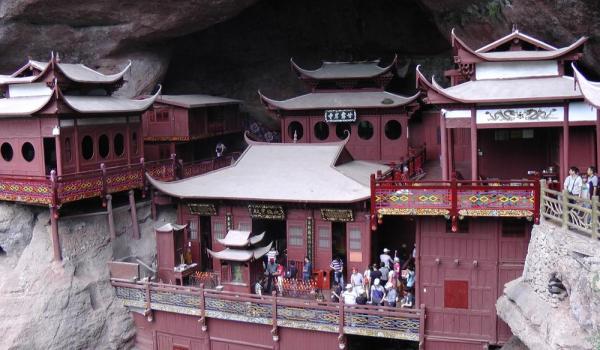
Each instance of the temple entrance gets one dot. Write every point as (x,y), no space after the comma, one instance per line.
(275,231)
(338,243)
(49,154)
(396,233)
(206,242)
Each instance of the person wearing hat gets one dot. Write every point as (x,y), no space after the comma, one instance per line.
(385,258)
(377,292)
(349,296)
(391,296)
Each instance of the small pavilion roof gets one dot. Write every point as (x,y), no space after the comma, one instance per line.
(196,101)
(338,100)
(241,255)
(590,90)
(168,227)
(236,238)
(344,70)
(281,172)
(545,52)
(505,90)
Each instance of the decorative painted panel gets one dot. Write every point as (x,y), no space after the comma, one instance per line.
(520,115)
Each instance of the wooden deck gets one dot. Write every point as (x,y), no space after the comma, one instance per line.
(366,320)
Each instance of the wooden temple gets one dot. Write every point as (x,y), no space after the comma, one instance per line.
(348,97)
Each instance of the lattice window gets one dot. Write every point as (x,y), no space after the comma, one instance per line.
(355,239)
(324,238)
(193,230)
(296,236)
(219,230)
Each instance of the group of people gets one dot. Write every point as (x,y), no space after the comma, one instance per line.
(275,272)
(582,185)
(388,282)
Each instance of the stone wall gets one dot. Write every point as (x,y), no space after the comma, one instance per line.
(546,322)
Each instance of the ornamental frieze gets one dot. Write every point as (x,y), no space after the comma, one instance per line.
(520,115)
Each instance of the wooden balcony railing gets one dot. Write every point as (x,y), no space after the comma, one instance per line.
(453,199)
(576,214)
(56,190)
(374,321)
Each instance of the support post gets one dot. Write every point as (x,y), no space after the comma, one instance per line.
(111,220)
(341,338)
(597,138)
(134,220)
(451,167)
(152,205)
(595,217)
(422,317)
(57,256)
(274,331)
(104,184)
(565,168)
(474,153)
(565,209)
(444,145)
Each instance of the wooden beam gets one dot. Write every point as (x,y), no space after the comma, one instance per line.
(57,256)
(134,221)
(444,145)
(474,153)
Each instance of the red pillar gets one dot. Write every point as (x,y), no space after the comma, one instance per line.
(474,172)
(444,144)
(597,138)
(57,256)
(565,166)
(451,168)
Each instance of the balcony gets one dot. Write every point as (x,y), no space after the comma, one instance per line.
(453,199)
(366,320)
(57,190)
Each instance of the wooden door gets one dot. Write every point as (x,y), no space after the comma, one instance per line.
(355,248)
(296,239)
(322,256)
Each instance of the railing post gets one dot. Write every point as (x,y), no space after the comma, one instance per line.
(537,202)
(144,180)
(202,319)
(274,331)
(174,165)
(341,338)
(454,203)
(565,209)
(373,215)
(422,318)
(148,311)
(594,217)
(54,188)
(104,186)
(181,168)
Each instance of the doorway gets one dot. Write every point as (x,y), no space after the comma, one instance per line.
(396,233)
(275,231)
(49,154)
(338,244)
(206,242)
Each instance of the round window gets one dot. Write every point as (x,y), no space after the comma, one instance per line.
(365,130)
(103,146)
(321,130)
(87,147)
(295,128)
(7,151)
(393,129)
(119,144)
(343,130)
(28,151)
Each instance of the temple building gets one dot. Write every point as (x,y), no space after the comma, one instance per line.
(64,137)
(348,97)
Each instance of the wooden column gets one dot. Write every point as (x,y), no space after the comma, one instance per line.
(75,146)
(58,150)
(474,156)
(134,221)
(597,138)
(565,159)
(444,145)
(57,256)
(111,219)
(451,168)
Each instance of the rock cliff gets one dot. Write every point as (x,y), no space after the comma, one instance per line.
(546,321)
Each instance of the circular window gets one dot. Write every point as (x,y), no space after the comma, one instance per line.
(343,130)
(87,147)
(7,151)
(28,151)
(134,143)
(119,144)
(393,129)
(103,146)
(365,130)
(297,129)
(321,130)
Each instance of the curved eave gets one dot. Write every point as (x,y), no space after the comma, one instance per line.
(424,85)
(104,79)
(310,74)
(34,104)
(458,44)
(136,105)
(591,93)
(270,104)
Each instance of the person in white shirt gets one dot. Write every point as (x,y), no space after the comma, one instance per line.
(573,182)
(385,258)
(349,295)
(356,279)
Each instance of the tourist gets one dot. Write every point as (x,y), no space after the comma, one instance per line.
(573,182)
(270,272)
(592,181)
(410,278)
(409,300)
(280,274)
(375,273)
(337,265)
(391,297)
(385,257)
(585,186)
(385,270)
(336,293)
(377,292)
(292,271)
(361,299)
(397,265)
(307,269)
(272,254)
(393,278)
(349,296)
(356,279)
(258,287)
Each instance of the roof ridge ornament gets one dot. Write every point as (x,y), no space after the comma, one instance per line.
(515,28)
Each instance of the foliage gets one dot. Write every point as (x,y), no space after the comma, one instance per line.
(480,12)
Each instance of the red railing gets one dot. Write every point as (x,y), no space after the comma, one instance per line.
(453,199)
(57,190)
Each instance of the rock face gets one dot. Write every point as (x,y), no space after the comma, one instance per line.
(541,320)
(69,305)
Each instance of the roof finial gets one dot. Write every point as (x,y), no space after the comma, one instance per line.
(515,28)
(57,57)
(295,136)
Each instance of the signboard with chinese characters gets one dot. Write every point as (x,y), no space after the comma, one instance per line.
(339,215)
(340,115)
(266,211)
(202,209)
